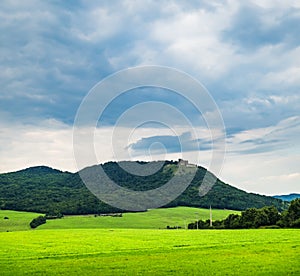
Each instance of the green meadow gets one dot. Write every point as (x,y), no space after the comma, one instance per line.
(150,252)
(16,221)
(153,219)
(88,245)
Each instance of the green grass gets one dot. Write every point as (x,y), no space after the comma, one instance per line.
(17,221)
(150,252)
(153,219)
(88,245)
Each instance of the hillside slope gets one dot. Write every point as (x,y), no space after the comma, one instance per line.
(42,189)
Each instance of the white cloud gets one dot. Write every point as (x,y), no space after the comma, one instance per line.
(190,40)
(49,143)
(268,173)
(265,160)
(284,135)
(277,4)
(283,79)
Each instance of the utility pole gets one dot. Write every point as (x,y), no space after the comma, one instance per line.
(210,217)
(197,221)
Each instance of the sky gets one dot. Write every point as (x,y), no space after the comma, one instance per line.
(245,53)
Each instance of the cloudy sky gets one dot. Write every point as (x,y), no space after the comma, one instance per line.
(246,54)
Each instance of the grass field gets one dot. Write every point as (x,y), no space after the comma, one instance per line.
(17,221)
(88,245)
(153,219)
(150,252)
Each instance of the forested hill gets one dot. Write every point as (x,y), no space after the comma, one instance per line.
(46,190)
(289,197)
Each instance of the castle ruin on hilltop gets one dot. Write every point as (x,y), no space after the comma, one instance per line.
(186,163)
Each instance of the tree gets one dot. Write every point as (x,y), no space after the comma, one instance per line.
(291,217)
(218,224)
(248,218)
(261,219)
(272,213)
(294,210)
(232,222)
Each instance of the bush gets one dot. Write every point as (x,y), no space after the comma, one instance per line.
(37,221)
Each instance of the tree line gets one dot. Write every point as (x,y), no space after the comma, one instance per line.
(267,217)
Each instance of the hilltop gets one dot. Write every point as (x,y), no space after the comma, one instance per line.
(46,190)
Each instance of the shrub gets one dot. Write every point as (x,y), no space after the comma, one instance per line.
(37,221)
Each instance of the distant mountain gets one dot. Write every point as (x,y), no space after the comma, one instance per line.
(43,189)
(289,197)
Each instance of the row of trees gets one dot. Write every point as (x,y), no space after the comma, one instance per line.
(255,218)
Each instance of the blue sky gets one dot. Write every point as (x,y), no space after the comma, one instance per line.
(246,53)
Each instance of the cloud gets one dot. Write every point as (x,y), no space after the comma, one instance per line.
(265,160)
(47,68)
(254,26)
(247,54)
(49,143)
(171,144)
(282,136)
(268,173)
(54,53)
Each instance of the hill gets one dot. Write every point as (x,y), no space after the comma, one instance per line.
(289,197)
(46,190)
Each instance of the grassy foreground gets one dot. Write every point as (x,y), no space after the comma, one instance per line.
(150,252)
